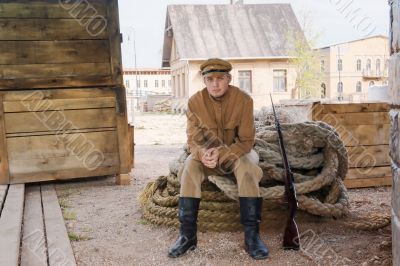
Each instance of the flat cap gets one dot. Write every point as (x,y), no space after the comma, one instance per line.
(215,65)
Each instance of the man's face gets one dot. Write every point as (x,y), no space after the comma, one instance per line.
(217,84)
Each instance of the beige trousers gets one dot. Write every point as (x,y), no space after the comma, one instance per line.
(246,171)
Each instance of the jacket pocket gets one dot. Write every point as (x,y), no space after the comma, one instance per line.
(230,133)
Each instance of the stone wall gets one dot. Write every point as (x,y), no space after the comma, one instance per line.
(394,84)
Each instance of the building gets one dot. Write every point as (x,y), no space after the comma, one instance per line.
(350,68)
(141,82)
(254,38)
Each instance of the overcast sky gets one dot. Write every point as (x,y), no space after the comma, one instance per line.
(332,19)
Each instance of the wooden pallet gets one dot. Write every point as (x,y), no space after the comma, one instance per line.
(364,129)
(32,229)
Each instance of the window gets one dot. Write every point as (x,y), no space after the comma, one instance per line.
(183,86)
(169,83)
(138,83)
(245,80)
(358,64)
(368,64)
(279,80)
(145,83)
(127,83)
(378,66)
(340,87)
(358,86)
(323,90)
(322,65)
(340,65)
(156,83)
(163,83)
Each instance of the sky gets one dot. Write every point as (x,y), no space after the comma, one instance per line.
(333,21)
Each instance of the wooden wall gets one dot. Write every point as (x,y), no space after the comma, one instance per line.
(364,128)
(50,44)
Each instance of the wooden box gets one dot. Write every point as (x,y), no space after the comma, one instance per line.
(364,128)
(62,99)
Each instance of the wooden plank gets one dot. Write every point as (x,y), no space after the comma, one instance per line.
(58,244)
(123,179)
(71,93)
(369,173)
(50,9)
(59,120)
(72,163)
(53,146)
(33,249)
(351,108)
(115,43)
(10,225)
(375,182)
(367,156)
(4,173)
(38,83)
(36,134)
(37,52)
(372,118)
(355,135)
(63,174)
(59,104)
(50,29)
(32,71)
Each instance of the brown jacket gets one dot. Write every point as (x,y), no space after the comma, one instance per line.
(226,123)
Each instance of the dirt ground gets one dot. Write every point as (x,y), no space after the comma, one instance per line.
(106,223)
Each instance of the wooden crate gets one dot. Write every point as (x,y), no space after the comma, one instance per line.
(364,128)
(62,99)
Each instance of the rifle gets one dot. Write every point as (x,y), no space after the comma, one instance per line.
(291,238)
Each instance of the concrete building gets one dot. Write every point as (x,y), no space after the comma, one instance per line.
(350,68)
(254,38)
(143,82)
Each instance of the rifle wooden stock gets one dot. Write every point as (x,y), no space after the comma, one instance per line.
(291,238)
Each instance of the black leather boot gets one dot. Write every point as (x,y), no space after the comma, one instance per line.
(250,217)
(187,240)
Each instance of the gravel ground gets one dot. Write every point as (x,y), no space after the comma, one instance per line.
(112,231)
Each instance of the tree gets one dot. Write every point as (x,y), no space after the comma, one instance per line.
(306,60)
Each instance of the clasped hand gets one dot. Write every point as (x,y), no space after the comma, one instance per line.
(210,158)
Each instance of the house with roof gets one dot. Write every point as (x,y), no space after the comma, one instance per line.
(254,38)
(350,69)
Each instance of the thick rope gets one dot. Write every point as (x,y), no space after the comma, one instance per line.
(319,162)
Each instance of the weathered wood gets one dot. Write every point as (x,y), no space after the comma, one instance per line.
(14,84)
(53,146)
(58,244)
(123,179)
(375,182)
(394,79)
(63,174)
(50,9)
(49,29)
(33,248)
(368,156)
(395,135)
(369,173)
(123,135)
(346,108)
(59,104)
(30,95)
(131,134)
(115,42)
(368,118)
(37,52)
(355,135)
(396,189)
(10,225)
(4,173)
(59,120)
(35,71)
(49,133)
